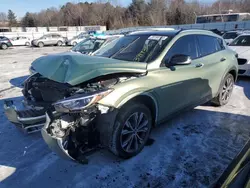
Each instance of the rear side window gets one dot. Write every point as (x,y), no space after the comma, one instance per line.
(185,45)
(55,36)
(209,45)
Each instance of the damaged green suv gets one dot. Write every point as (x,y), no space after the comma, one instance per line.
(114,98)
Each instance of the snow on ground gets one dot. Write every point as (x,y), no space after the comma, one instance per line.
(191,150)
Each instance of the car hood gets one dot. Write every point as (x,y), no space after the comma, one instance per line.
(74,68)
(243,51)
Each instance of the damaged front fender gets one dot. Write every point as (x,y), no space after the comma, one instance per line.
(81,134)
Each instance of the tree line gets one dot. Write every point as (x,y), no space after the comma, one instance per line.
(109,13)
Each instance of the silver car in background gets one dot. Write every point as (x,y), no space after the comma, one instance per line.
(75,40)
(49,40)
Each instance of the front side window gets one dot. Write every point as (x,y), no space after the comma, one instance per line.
(241,41)
(208,45)
(141,48)
(220,44)
(184,46)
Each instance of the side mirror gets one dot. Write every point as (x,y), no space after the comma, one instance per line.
(179,59)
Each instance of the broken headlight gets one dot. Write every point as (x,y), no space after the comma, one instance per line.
(79,101)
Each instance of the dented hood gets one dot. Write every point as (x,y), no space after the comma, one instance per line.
(76,68)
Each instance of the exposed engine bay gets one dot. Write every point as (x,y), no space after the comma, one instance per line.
(74,120)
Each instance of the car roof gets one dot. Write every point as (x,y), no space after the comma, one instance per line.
(172,33)
(152,32)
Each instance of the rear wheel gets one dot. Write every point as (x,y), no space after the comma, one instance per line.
(59,43)
(131,130)
(41,44)
(4,46)
(74,43)
(225,91)
(27,44)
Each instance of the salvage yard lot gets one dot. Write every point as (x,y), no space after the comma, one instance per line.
(190,150)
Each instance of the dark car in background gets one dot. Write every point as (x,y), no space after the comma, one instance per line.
(4,43)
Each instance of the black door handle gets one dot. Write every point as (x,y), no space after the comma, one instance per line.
(199,65)
(222,59)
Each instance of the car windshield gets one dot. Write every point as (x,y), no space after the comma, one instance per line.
(230,35)
(89,44)
(241,41)
(142,48)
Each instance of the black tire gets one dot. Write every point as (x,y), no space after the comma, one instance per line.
(225,91)
(59,43)
(40,44)
(4,46)
(27,44)
(117,146)
(74,43)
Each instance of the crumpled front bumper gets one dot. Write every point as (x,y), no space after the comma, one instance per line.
(26,118)
(55,144)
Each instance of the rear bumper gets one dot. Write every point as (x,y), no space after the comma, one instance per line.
(9,44)
(28,119)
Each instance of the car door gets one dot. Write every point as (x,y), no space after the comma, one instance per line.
(14,41)
(54,39)
(180,85)
(47,40)
(213,58)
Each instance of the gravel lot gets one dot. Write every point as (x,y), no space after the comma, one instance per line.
(190,150)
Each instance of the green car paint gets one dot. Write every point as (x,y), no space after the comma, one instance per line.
(74,68)
(170,88)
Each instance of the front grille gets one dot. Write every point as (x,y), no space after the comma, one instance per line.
(30,113)
(242,71)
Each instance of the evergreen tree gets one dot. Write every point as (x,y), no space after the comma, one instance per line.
(12,18)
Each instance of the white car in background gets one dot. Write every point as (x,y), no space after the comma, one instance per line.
(241,45)
(91,45)
(75,40)
(20,41)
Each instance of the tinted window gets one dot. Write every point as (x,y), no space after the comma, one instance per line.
(55,36)
(230,35)
(208,44)
(3,38)
(241,41)
(220,44)
(185,45)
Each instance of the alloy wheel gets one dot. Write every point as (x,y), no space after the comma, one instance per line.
(4,46)
(134,132)
(227,89)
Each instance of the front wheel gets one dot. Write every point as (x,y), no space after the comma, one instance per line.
(131,130)
(27,44)
(59,43)
(225,91)
(4,46)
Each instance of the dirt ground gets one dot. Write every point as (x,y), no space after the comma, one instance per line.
(191,150)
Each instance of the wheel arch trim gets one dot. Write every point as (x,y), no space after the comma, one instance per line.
(139,94)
